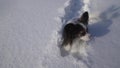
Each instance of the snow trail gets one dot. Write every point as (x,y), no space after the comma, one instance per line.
(72,10)
(86,5)
(53,57)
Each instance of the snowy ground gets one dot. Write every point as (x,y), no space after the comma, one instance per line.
(30,31)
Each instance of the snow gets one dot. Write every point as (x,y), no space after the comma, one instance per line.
(30,32)
(106,33)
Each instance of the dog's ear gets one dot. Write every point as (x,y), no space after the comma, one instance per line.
(85,17)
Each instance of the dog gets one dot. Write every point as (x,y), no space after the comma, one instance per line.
(76,29)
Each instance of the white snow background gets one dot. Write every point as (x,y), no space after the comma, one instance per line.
(30,31)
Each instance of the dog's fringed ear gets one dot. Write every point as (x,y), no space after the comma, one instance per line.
(85,17)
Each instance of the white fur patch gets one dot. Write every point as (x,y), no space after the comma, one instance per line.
(86,37)
(67,47)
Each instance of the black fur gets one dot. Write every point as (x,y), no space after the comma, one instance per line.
(72,31)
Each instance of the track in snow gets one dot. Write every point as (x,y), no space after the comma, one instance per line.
(73,9)
(53,58)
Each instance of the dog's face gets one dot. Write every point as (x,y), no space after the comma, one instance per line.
(86,37)
(82,33)
(80,29)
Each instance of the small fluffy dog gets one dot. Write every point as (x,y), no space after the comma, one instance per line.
(76,29)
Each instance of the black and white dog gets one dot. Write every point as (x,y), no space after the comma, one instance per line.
(76,29)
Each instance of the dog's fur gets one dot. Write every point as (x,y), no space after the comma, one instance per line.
(74,30)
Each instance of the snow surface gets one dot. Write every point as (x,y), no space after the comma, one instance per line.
(30,32)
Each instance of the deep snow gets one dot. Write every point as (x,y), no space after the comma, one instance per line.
(30,32)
